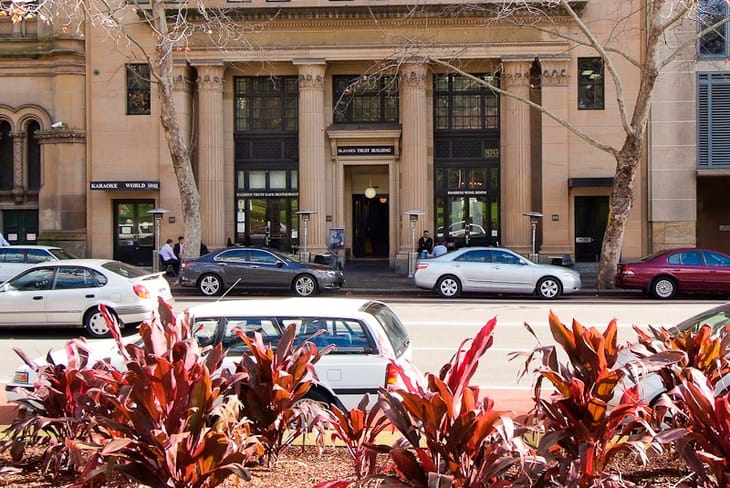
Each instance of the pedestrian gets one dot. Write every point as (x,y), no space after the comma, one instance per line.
(425,245)
(203,249)
(3,242)
(178,249)
(167,255)
(439,249)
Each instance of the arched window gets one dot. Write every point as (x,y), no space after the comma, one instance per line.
(6,157)
(34,156)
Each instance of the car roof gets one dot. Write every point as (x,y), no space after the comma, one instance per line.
(31,246)
(310,306)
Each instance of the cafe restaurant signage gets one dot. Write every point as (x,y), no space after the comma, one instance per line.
(125,185)
(365,150)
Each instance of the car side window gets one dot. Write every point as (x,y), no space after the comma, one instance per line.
(14,256)
(204,331)
(100,278)
(262,257)
(34,280)
(476,256)
(502,257)
(237,255)
(688,258)
(73,277)
(716,259)
(348,336)
(249,325)
(37,256)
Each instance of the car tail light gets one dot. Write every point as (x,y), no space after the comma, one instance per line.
(422,266)
(625,270)
(392,378)
(185,265)
(140,290)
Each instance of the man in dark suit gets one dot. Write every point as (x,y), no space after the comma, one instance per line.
(178,248)
(425,244)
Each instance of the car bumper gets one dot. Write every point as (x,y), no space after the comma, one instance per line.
(332,284)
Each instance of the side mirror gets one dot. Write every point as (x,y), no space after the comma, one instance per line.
(280,264)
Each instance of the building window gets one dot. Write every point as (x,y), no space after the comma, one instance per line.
(34,156)
(6,157)
(266,104)
(363,99)
(465,103)
(590,84)
(714,43)
(713,120)
(138,89)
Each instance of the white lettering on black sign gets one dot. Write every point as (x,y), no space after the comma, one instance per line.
(125,185)
(365,150)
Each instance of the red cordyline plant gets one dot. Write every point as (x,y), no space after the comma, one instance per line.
(449,434)
(581,432)
(161,431)
(358,430)
(273,383)
(703,440)
(60,409)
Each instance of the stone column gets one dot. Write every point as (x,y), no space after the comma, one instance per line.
(211,175)
(555,164)
(415,164)
(312,164)
(516,172)
(19,158)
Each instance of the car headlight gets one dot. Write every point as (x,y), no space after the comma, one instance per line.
(21,377)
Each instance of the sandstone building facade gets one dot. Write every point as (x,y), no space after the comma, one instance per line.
(327,109)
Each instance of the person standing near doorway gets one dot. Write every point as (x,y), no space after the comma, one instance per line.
(178,248)
(425,244)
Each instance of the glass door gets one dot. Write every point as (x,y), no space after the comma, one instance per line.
(134,231)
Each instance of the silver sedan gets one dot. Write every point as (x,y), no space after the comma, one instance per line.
(493,270)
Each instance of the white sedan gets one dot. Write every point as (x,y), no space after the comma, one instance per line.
(493,270)
(68,293)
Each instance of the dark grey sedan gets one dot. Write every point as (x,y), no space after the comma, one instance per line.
(249,267)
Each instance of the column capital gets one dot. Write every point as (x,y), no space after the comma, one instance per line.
(210,76)
(181,77)
(554,71)
(413,75)
(311,73)
(18,134)
(516,71)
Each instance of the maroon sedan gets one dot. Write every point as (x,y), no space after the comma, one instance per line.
(666,273)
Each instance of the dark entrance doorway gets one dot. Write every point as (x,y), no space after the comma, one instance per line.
(371,226)
(21,226)
(134,231)
(591,216)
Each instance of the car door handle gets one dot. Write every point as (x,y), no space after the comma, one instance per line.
(91,295)
(38,297)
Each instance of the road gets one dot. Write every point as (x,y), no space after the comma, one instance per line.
(438,326)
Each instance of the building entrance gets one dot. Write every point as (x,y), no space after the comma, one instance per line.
(591,216)
(371,224)
(21,226)
(134,236)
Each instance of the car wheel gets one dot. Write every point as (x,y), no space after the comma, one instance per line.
(310,405)
(548,288)
(448,286)
(95,323)
(663,288)
(305,285)
(210,285)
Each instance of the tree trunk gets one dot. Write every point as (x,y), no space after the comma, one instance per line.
(179,151)
(620,205)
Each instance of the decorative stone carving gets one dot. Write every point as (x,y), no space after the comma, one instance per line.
(210,77)
(554,72)
(413,75)
(516,72)
(310,80)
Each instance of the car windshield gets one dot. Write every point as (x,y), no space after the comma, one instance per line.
(716,317)
(124,269)
(61,254)
(394,328)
